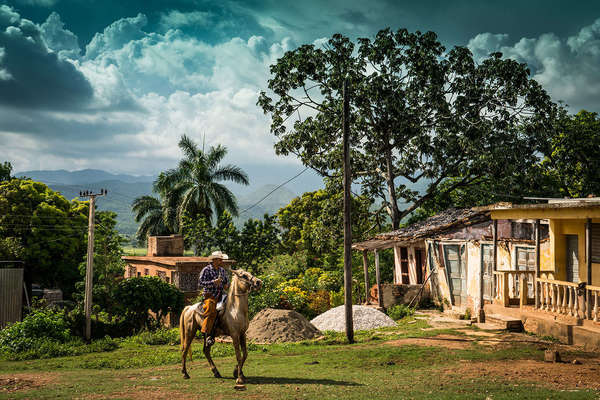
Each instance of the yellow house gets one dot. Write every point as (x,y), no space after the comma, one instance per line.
(568,270)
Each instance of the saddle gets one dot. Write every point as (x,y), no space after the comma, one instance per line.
(221,305)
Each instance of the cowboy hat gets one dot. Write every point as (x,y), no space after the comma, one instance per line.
(218,254)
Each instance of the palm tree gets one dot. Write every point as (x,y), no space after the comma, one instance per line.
(150,211)
(194,187)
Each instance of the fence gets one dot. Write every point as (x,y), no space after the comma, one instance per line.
(11,295)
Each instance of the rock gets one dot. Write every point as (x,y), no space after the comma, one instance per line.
(551,356)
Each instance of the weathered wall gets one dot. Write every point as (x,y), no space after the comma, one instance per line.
(558,263)
(438,284)
(171,246)
(399,294)
(397,266)
(473,262)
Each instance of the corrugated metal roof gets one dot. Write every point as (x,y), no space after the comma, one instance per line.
(435,225)
(566,203)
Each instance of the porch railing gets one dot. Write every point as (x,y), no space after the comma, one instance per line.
(514,287)
(560,297)
(593,292)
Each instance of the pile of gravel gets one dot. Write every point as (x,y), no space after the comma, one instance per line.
(273,325)
(363,317)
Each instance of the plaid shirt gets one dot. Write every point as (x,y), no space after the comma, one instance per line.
(206,278)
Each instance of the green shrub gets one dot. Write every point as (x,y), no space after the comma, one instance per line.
(39,325)
(399,311)
(330,280)
(136,296)
(318,303)
(270,296)
(337,298)
(47,348)
(45,333)
(157,337)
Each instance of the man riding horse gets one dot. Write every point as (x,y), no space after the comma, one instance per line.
(213,279)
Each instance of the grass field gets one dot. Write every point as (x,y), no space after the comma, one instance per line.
(388,364)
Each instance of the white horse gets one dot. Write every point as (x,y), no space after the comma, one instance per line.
(233,321)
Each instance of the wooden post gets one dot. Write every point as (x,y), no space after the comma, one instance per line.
(505,290)
(481,317)
(366,269)
(588,259)
(378,278)
(89,270)
(536,293)
(347,221)
(495,254)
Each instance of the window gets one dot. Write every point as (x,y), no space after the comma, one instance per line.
(146,271)
(595,243)
(139,274)
(525,259)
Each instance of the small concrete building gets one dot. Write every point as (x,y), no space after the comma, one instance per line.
(165,259)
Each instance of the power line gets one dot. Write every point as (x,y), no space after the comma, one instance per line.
(276,188)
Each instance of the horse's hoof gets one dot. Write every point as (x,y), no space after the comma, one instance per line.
(217,374)
(186,376)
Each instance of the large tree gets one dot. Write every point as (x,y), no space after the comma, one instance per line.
(313,223)
(194,187)
(572,159)
(5,170)
(420,115)
(49,229)
(150,211)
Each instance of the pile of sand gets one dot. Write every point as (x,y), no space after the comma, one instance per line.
(272,325)
(363,318)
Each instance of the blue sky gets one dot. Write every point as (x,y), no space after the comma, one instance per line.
(113,84)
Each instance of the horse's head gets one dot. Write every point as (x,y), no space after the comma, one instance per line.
(246,280)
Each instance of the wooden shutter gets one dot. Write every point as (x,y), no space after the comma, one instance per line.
(596,243)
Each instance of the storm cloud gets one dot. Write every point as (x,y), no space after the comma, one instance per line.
(33,76)
(85,84)
(568,68)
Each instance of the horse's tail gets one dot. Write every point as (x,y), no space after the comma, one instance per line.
(182,328)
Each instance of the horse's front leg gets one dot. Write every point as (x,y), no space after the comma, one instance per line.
(213,367)
(244,353)
(237,372)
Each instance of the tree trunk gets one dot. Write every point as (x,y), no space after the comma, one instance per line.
(393,209)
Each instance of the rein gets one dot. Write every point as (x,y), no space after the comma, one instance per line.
(236,288)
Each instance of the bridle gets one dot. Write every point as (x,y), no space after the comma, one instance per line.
(246,280)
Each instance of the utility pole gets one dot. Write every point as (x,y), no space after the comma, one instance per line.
(347,221)
(89,269)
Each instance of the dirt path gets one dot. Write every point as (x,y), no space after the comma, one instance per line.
(554,375)
(26,381)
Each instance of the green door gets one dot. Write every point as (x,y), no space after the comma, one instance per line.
(455,272)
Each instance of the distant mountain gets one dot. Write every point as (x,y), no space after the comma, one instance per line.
(81,177)
(270,205)
(120,196)
(123,189)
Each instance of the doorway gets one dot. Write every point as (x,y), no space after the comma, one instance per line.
(572,258)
